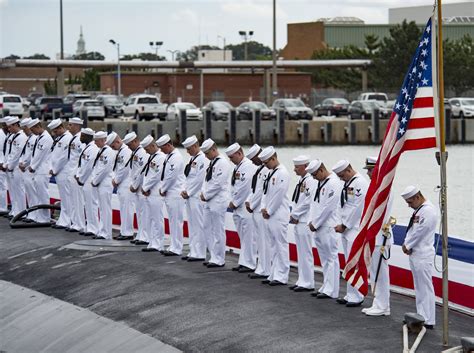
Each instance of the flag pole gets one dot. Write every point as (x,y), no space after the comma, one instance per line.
(442,163)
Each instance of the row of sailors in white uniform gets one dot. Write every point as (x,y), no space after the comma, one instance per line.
(149,175)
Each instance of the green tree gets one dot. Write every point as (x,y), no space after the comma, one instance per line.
(459,65)
(50,87)
(93,55)
(12,57)
(394,56)
(255,51)
(371,43)
(91,80)
(192,54)
(144,56)
(37,57)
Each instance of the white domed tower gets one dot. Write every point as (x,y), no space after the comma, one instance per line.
(81,44)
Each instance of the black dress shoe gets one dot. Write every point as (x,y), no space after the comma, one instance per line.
(205,263)
(341,301)
(162,252)
(244,269)
(315,294)
(98,237)
(323,296)
(124,237)
(58,227)
(133,241)
(212,265)
(185,258)
(236,268)
(89,234)
(429,327)
(53,226)
(149,250)
(293,287)
(170,253)
(194,259)
(266,281)
(302,289)
(256,276)
(276,283)
(353,304)
(80,233)
(140,242)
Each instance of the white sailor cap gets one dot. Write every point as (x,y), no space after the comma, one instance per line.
(163,140)
(191,140)
(207,144)
(253,151)
(33,122)
(301,160)
(100,135)
(370,162)
(267,153)
(229,151)
(3,120)
(54,124)
(12,120)
(24,122)
(146,141)
(76,121)
(129,137)
(410,191)
(111,138)
(340,166)
(313,166)
(87,131)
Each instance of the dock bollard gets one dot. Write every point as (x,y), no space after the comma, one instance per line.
(351,130)
(232,126)
(375,117)
(327,132)
(280,127)
(57,113)
(256,126)
(303,131)
(207,124)
(84,118)
(182,125)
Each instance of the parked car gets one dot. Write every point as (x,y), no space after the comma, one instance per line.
(380,97)
(362,109)
(245,111)
(192,112)
(13,103)
(33,96)
(294,108)
(43,107)
(462,107)
(112,104)
(95,110)
(220,110)
(144,106)
(332,106)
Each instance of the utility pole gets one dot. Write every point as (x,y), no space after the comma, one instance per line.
(246,36)
(274,66)
(119,75)
(60,70)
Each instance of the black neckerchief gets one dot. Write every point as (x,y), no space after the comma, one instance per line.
(23,151)
(129,162)
(116,158)
(267,181)
(98,155)
(209,169)
(146,168)
(82,153)
(234,173)
(412,218)
(69,147)
(56,140)
(344,190)
(36,144)
(255,178)
(187,169)
(296,193)
(5,143)
(164,165)
(11,142)
(320,187)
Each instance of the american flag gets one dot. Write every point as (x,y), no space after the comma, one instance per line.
(411,127)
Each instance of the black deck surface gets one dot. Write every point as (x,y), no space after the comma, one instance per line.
(203,310)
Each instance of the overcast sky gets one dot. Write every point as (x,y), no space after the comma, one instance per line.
(32,26)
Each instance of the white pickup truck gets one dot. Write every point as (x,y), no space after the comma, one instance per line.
(144,106)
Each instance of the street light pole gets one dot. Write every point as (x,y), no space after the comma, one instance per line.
(173,52)
(119,76)
(246,36)
(274,66)
(223,48)
(156,46)
(60,71)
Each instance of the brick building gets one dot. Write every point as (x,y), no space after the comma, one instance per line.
(234,87)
